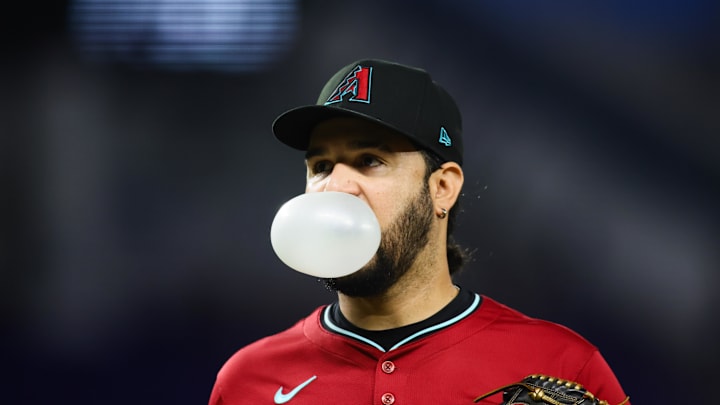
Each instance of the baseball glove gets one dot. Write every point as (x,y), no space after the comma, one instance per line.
(541,389)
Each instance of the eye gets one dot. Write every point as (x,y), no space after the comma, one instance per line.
(370,161)
(321,167)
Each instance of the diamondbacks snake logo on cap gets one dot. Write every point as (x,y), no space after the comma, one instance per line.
(357,83)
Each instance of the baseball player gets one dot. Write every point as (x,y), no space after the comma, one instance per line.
(401,331)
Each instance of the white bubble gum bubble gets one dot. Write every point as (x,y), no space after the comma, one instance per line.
(327,234)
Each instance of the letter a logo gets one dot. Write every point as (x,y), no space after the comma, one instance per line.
(356,83)
(444,137)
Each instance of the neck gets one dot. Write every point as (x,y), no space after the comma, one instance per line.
(417,296)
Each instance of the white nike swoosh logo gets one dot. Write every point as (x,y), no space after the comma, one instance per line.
(281,398)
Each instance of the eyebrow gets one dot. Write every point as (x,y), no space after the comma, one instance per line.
(353,145)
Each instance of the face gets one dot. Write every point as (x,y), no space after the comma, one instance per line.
(386,171)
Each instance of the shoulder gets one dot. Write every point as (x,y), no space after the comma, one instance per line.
(526,345)
(552,349)
(270,350)
(261,362)
(513,324)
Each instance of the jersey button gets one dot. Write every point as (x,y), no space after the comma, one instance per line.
(388,367)
(388,398)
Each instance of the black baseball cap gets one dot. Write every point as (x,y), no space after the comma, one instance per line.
(400,97)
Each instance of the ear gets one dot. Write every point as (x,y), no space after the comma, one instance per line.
(445,186)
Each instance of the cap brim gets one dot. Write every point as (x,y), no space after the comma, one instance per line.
(294,127)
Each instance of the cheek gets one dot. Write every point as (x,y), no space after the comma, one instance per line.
(387,206)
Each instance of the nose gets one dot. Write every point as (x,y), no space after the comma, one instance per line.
(343,178)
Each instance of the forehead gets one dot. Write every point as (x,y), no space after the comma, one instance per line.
(357,133)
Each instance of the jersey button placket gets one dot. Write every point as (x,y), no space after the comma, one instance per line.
(386,382)
(387,367)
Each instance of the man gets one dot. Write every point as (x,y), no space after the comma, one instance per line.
(401,331)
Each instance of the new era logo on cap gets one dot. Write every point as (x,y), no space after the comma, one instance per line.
(356,83)
(444,137)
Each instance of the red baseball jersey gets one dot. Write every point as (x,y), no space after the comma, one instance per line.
(485,347)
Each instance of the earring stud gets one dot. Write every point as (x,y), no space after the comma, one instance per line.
(443,213)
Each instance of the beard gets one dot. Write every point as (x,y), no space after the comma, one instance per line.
(399,246)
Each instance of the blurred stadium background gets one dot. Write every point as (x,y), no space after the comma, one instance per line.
(140,178)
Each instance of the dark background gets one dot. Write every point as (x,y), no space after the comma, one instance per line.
(137,199)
